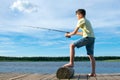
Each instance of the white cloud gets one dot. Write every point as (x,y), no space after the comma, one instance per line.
(62,15)
(6,51)
(23,6)
(7,43)
(103,15)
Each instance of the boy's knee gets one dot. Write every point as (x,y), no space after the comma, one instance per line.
(72,45)
(91,56)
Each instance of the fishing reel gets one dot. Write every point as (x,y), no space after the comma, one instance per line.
(68,36)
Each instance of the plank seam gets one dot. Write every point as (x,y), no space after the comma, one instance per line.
(18,77)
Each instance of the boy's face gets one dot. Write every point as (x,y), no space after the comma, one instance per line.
(79,16)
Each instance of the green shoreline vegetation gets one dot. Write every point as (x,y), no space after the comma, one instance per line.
(77,58)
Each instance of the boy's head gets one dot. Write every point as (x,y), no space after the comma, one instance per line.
(80,13)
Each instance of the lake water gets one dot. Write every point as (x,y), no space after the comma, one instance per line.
(51,67)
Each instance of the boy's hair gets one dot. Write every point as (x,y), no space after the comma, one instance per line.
(81,11)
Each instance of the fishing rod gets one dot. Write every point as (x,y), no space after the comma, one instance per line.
(49,29)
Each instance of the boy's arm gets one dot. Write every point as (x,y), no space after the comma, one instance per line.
(72,33)
(80,33)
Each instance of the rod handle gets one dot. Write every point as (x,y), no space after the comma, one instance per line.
(68,36)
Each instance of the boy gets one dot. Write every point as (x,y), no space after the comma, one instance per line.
(87,40)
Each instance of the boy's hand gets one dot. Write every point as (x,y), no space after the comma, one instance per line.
(67,35)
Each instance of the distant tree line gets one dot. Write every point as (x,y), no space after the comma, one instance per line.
(77,58)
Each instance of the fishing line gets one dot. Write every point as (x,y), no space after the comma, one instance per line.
(48,29)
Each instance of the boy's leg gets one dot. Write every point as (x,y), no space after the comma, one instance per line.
(90,52)
(93,64)
(72,54)
(78,44)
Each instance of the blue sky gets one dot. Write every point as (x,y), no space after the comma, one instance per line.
(17,40)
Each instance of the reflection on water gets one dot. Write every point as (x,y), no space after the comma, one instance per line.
(51,67)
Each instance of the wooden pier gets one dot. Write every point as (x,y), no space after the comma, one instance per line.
(36,76)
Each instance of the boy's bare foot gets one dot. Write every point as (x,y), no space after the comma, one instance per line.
(68,65)
(92,75)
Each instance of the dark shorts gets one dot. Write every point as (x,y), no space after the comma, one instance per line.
(88,42)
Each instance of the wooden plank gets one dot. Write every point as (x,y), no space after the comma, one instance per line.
(49,77)
(17,76)
(109,78)
(76,77)
(83,77)
(38,76)
(55,78)
(92,78)
(30,77)
(7,76)
(100,77)
(116,77)
(45,76)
